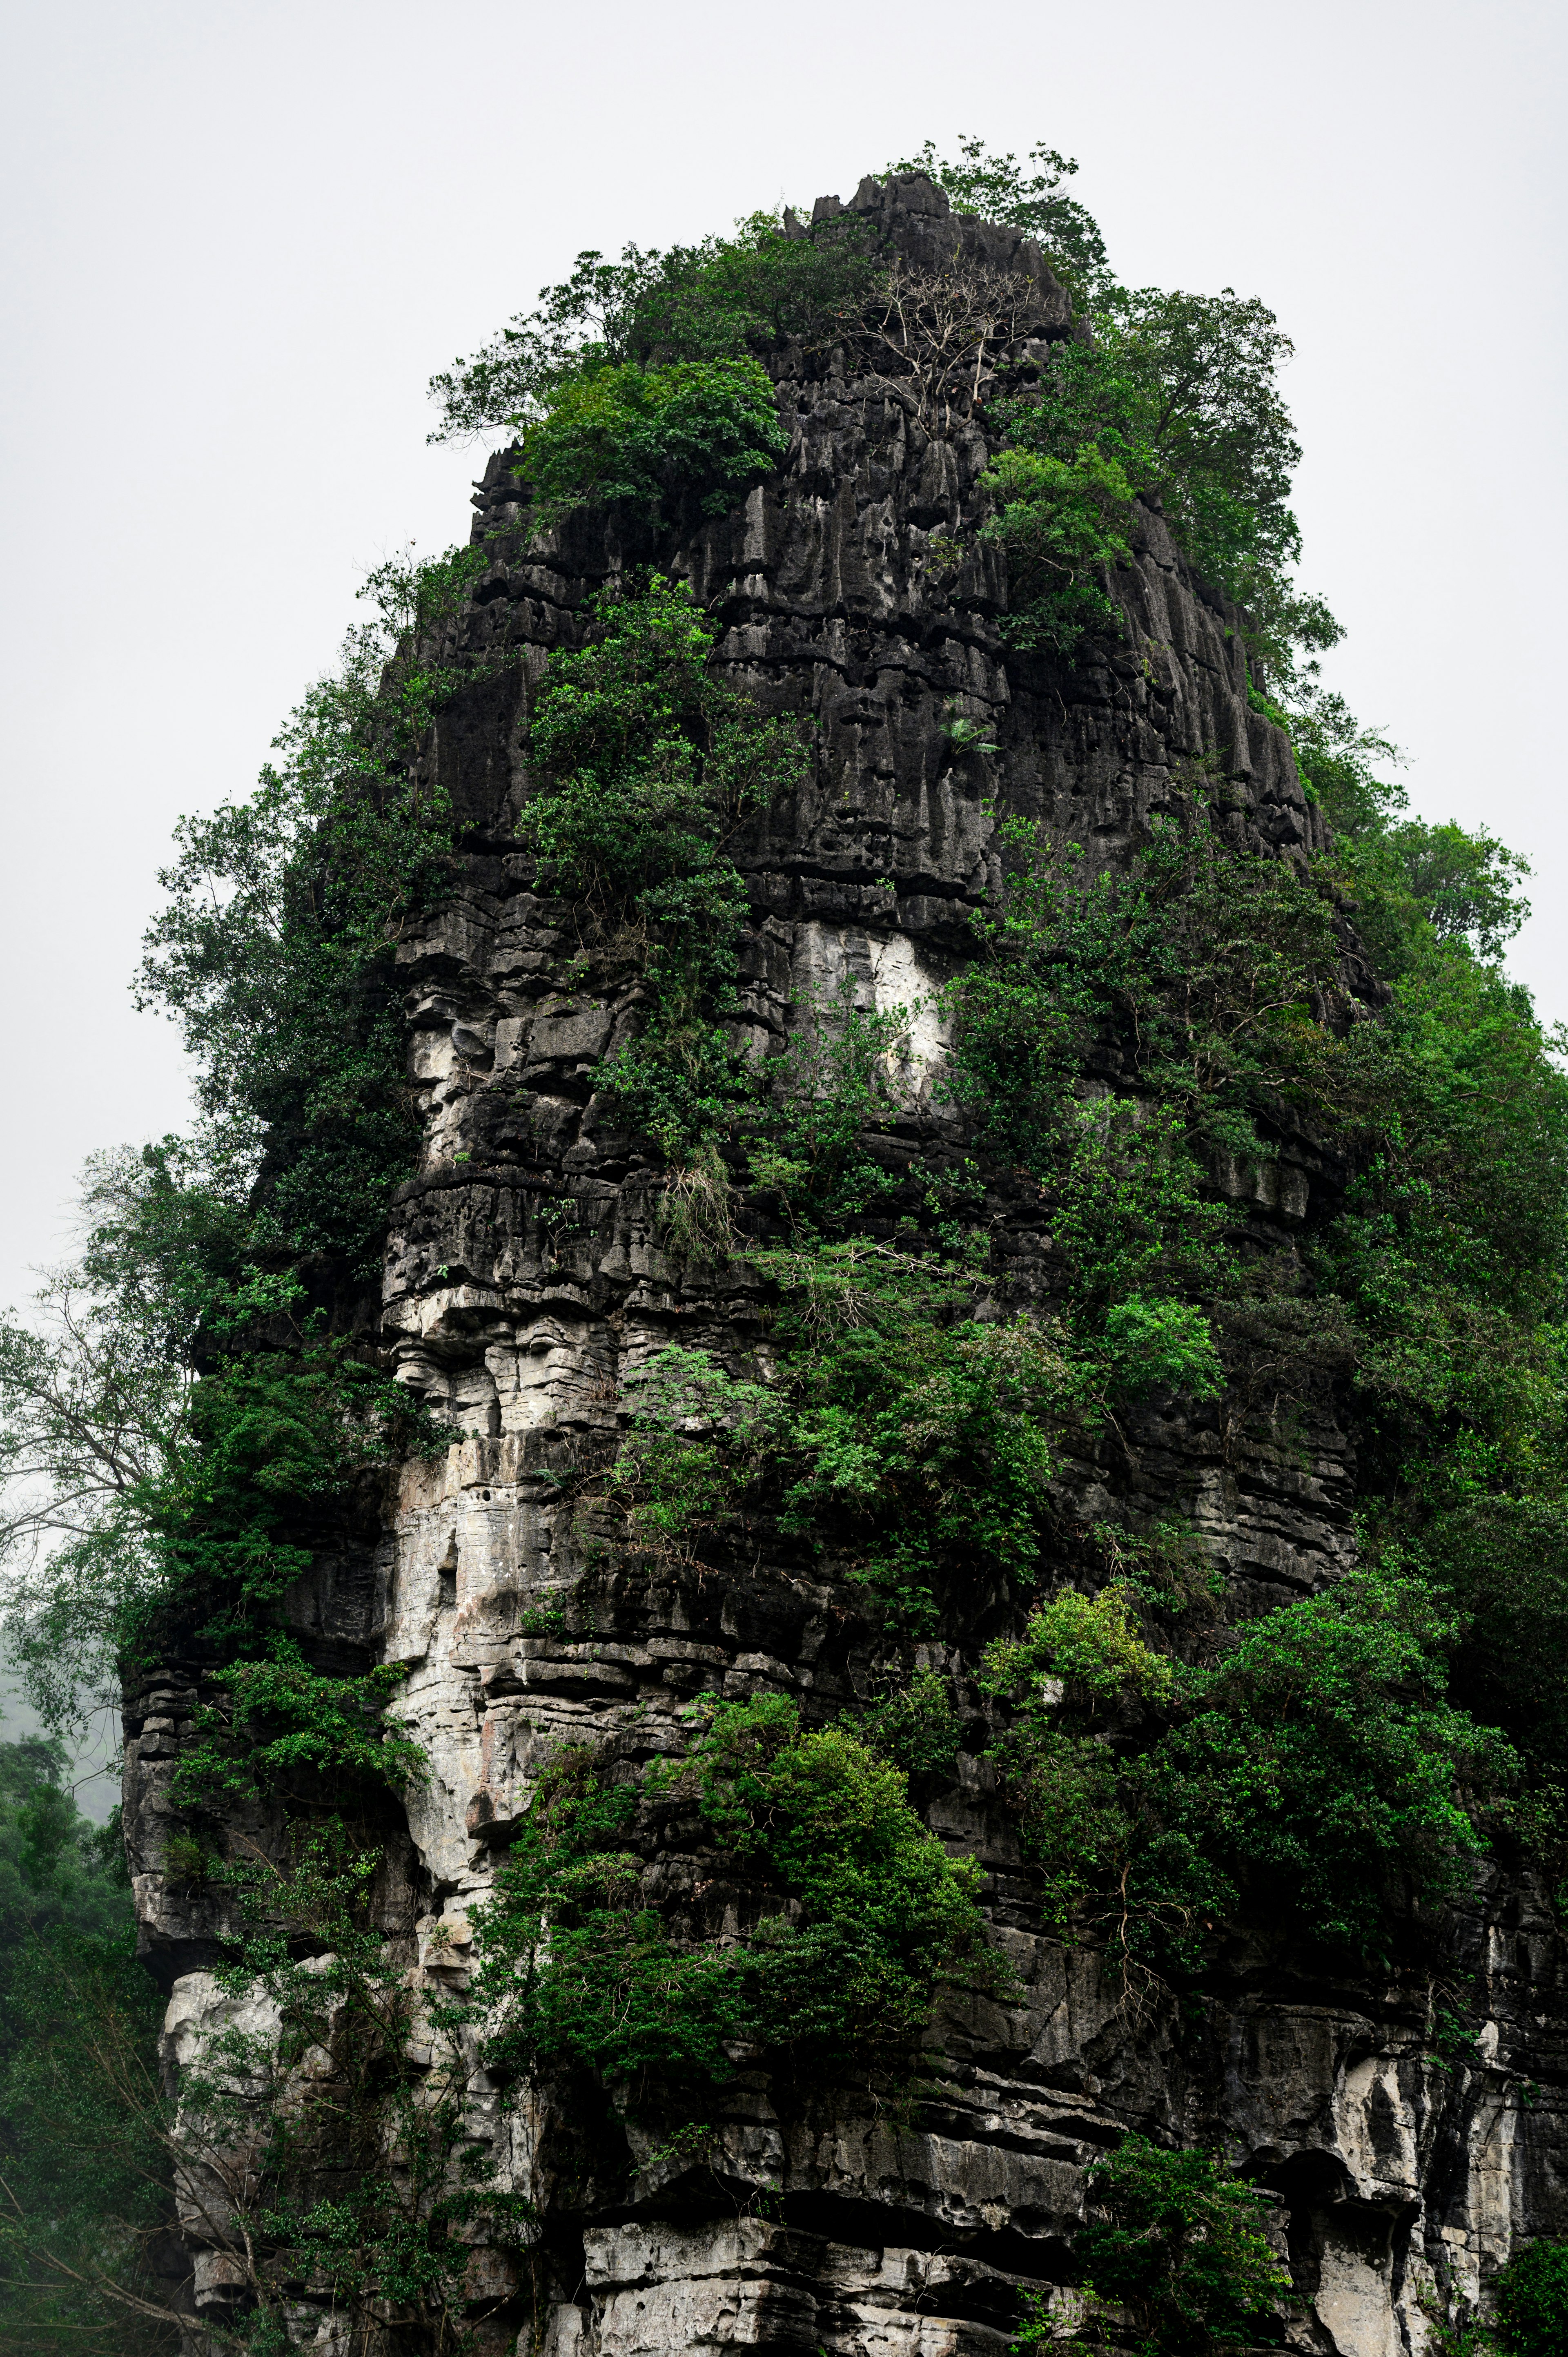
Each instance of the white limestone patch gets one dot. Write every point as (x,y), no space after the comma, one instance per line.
(837,966)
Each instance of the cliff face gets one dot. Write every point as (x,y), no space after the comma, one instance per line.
(526,1283)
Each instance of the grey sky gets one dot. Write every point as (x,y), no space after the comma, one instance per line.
(241,237)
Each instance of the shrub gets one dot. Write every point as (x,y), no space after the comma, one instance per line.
(645,766)
(1062,522)
(1179,2244)
(581,1968)
(887,1915)
(1091,1641)
(281,1721)
(1529,2298)
(274,953)
(1316,1765)
(916,1726)
(719,300)
(646,437)
(1153,1344)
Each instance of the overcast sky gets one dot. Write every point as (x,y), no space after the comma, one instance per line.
(241,237)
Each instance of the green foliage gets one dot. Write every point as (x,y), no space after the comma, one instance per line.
(1061,523)
(720,300)
(85,2195)
(1173,396)
(274,953)
(645,766)
(915,1726)
(182,1432)
(1198,964)
(646,437)
(887,1915)
(1179,392)
(581,1967)
(1315,1771)
(1412,885)
(158,1503)
(918,1436)
(280,1720)
(1090,1642)
(1530,2302)
(1000,189)
(1179,2244)
(1162,1345)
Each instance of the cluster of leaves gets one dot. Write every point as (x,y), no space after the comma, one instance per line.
(182,1433)
(149,1501)
(636,383)
(644,767)
(1175,399)
(279,1721)
(725,299)
(1525,2310)
(918,1434)
(1179,2247)
(275,952)
(1000,189)
(1170,396)
(1530,2302)
(1063,524)
(642,437)
(84,2197)
(1311,1778)
(860,1916)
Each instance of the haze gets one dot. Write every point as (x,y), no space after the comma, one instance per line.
(240,238)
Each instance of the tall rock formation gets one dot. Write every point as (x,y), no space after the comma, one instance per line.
(526,1283)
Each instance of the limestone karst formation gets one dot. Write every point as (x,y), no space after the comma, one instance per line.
(530,1282)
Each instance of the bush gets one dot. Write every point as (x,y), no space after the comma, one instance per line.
(645,766)
(1309,1775)
(581,1968)
(1091,1641)
(1179,2244)
(719,300)
(648,438)
(274,953)
(1529,2300)
(1062,522)
(916,1727)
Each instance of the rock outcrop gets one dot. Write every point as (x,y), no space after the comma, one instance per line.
(526,1283)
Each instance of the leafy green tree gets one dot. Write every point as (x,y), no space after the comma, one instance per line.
(1316,1772)
(1061,523)
(1531,2301)
(84,2194)
(581,1967)
(646,438)
(1179,2244)
(1000,189)
(275,952)
(717,301)
(1179,392)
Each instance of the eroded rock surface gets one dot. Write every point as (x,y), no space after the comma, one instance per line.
(525,1285)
